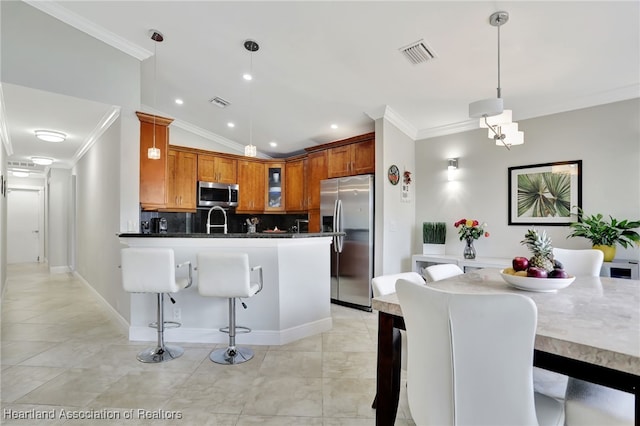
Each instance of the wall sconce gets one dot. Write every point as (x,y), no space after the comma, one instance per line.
(452,166)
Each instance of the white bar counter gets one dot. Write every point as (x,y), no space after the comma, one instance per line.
(294,302)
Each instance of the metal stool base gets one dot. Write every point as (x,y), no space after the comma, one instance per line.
(158,354)
(229,356)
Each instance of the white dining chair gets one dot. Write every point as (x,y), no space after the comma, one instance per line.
(589,403)
(580,263)
(471,358)
(386,284)
(441,272)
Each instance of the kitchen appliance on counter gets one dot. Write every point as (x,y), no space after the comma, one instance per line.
(159,225)
(217,194)
(346,205)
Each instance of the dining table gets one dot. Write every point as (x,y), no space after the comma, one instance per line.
(589,330)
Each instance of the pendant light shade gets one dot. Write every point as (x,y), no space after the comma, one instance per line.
(154,153)
(491,111)
(252,46)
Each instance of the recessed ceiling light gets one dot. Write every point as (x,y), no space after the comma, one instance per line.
(179,101)
(50,135)
(334,126)
(43,161)
(230,124)
(247,76)
(273,144)
(20,174)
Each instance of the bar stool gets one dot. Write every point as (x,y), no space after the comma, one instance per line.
(152,270)
(223,274)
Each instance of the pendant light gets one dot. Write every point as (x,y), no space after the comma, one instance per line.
(154,153)
(491,111)
(252,46)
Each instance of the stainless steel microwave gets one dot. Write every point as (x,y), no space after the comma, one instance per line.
(217,194)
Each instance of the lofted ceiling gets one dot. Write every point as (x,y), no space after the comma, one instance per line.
(337,62)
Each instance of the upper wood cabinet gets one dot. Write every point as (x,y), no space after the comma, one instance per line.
(352,159)
(153,173)
(295,185)
(220,169)
(181,180)
(252,186)
(316,171)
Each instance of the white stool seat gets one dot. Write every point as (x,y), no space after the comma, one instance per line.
(228,275)
(153,270)
(441,272)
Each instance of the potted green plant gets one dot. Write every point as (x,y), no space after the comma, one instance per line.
(606,234)
(433,237)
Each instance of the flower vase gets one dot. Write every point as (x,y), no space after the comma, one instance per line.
(469,249)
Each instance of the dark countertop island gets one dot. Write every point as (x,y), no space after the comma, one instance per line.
(236,235)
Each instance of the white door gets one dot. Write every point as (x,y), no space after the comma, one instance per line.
(23,226)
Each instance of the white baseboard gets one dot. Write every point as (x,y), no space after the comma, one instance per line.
(256,337)
(122,323)
(59,269)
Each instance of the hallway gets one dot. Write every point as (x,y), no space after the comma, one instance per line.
(64,355)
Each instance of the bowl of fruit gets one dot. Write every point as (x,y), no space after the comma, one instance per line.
(540,272)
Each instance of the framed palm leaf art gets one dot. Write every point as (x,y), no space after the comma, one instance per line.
(545,194)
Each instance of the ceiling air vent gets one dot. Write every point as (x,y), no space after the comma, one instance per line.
(418,52)
(23,164)
(219,102)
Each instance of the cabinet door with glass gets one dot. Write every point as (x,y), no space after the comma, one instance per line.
(275,190)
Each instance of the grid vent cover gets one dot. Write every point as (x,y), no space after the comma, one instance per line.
(25,164)
(418,52)
(219,102)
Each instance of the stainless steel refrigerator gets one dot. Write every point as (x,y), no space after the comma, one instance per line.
(346,205)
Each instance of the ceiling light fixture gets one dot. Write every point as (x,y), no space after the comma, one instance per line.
(42,161)
(179,101)
(153,153)
(250,150)
(491,111)
(50,135)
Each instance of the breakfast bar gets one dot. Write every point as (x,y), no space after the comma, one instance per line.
(294,303)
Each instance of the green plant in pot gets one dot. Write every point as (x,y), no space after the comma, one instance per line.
(606,234)
(434,235)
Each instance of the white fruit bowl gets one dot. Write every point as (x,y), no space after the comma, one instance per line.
(536,284)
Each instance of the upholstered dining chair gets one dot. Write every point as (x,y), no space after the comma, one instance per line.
(471,357)
(588,403)
(386,284)
(582,263)
(440,272)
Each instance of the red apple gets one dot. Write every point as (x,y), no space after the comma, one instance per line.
(558,273)
(536,272)
(520,263)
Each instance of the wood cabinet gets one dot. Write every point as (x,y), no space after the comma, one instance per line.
(212,168)
(275,196)
(295,185)
(352,159)
(314,220)
(316,171)
(153,173)
(252,186)
(181,180)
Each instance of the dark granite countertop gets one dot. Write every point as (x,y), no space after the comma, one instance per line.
(235,235)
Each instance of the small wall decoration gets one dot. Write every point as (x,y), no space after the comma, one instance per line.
(545,194)
(394,175)
(406,181)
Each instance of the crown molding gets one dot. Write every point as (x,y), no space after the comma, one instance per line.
(394,118)
(448,129)
(86,26)
(105,122)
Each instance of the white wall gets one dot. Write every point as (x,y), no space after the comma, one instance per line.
(606,138)
(3,220)
(393,218)
(57,242)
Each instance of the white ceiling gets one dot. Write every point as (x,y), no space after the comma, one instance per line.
(330,62)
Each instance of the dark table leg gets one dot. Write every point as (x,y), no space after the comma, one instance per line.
(388,379)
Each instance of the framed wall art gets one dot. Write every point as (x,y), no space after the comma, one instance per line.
(545,194)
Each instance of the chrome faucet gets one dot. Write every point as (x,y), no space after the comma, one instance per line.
(209,225)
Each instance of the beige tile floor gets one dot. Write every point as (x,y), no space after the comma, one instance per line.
(63,353)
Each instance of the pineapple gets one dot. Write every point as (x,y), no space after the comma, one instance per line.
(540,245)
